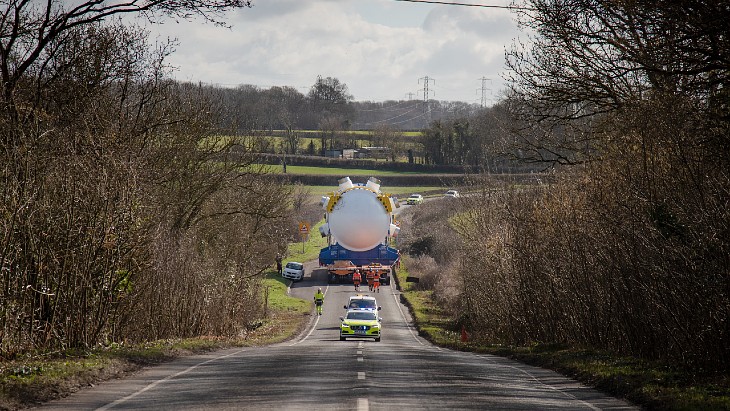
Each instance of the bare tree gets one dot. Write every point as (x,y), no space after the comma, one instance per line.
(328,98)
(291,139)
(591,58)
(631,92)
(115,177)
(331,128)
(31,33)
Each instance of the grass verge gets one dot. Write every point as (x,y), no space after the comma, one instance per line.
(308,249)
(36,378)
(652,385)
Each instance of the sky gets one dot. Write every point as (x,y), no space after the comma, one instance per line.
(381,49)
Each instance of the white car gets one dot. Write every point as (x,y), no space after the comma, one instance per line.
(362,302)
(293,271)
(452,194)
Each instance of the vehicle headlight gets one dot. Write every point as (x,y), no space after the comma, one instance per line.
(345,326)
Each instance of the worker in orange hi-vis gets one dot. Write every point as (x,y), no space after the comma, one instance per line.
(376,283)
(357,279)
(370,276)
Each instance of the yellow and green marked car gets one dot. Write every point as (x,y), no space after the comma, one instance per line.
(360,324)
(414,199)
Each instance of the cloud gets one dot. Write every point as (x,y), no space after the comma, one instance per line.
(378,48)
(271,9)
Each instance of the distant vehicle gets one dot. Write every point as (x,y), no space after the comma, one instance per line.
(452,194)
(360,324)
(362,302)
(293,271)
(414,199)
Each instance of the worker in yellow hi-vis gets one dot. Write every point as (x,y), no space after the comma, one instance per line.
(319,300)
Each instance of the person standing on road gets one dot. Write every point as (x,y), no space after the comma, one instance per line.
(278,263)
(370,275)
(376,283)
(357,279)
(319,300)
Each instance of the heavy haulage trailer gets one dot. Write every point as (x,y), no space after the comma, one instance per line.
(359,224)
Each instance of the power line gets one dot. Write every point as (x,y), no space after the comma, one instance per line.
(389,119)
(410,119)
(387,108)
(489,6)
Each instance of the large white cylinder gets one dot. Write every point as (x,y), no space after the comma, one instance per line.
(359,222)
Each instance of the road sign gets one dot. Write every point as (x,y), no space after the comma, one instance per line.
(303,232)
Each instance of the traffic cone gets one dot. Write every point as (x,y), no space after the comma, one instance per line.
(464,335)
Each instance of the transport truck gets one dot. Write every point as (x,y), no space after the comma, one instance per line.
(359,224)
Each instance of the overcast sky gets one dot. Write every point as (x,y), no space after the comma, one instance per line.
(382,49)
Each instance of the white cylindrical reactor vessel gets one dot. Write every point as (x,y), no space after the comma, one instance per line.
(359,221)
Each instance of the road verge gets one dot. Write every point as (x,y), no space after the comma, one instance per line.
(652,385)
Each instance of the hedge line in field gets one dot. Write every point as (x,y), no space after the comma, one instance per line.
(316,161)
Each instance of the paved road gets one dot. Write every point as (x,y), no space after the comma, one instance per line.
(317,371)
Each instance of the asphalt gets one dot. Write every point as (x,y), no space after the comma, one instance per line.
(317,371)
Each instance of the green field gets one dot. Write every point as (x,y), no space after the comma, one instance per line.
(363,138)
(317,191)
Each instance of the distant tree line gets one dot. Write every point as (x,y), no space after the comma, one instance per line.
(326,106)
(483,141)
(249,107)
(330,110)
(454,133)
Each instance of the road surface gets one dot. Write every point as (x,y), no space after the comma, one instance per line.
(317,371)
